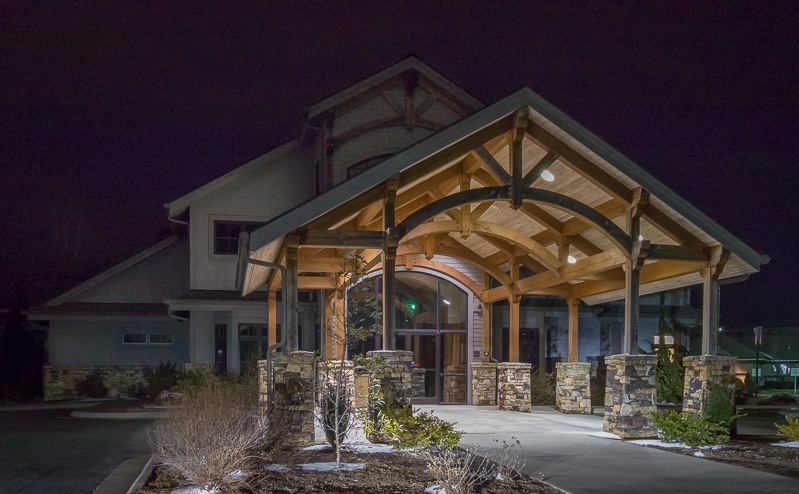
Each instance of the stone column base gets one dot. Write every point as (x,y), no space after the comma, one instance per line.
(573,387)
(394,375)
(294,396)
(702,373)
(513,386)
(484,384)
(630,396)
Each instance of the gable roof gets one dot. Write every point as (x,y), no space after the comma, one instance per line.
(265,241)
(111,272)
(410,63)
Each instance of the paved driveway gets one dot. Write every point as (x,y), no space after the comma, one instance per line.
(571,453)
(40,454)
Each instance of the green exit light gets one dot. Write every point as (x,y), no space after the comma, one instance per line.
(411,305)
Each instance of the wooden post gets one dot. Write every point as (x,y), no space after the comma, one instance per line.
(486,322)
(513,332)
(389,264)
(710,299)
(631,290)
(290,298)
(271,321)
(516,157)
(327,324)
(339,324)
(574,311)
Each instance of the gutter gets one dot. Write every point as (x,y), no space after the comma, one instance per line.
(241,268)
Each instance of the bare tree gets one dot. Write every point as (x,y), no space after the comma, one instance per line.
(360,317)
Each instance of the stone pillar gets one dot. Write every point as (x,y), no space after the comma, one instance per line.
(484,384)
(328,373)
(573,387)
(394,375)
(630,396)
(361,388)
(294,395)
(418,389)
(513,386)
(702,372)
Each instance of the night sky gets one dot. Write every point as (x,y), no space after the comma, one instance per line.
(107,113)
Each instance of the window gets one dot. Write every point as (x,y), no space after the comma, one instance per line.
(161,338)
(134,338)
(226,235)
(364,165)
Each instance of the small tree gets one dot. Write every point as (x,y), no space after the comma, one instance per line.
(669,373)
(360,318)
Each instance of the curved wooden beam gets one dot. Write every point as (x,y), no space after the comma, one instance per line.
(444,269)
(536,250)
(462,254)
(503,193)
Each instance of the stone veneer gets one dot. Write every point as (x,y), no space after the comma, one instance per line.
(630,396)
(484,384)
(702,372)
(294,395)
(573,387)
(455,385)
(60,382)
(394,375)
(328,373)
(513,386)
(418,384)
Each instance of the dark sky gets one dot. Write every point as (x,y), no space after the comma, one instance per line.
(108,112)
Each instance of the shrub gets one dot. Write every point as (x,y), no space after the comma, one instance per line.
(215,431)
(454,470)
(791,430)
(191,382)
(508,460)
(542,389)
(162,378)
(402,428)
(693,431)
(717,405)
(92,386)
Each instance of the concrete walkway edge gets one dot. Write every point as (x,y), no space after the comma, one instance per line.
(128,477)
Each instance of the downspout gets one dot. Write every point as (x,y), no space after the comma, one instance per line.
(243,260)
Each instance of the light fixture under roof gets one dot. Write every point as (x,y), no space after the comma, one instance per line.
(547,175)
(640,237)
(495,208)
(445,301)
(571,259)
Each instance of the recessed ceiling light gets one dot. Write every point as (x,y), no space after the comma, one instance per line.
(571,259)
(547,175)
(445,301)
(495,208)
(640,237)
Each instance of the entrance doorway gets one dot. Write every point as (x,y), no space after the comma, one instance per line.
(438,370)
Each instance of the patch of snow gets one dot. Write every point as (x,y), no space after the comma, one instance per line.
(238,474)
(658,442)
(194,490)
(792,444)
(607,435)
(367,447)
(327,466)
(318,447)
(435,489)
(277,467)
(699,454)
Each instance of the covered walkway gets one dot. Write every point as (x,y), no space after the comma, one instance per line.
(573,453)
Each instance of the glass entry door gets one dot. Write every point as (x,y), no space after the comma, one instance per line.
(438,370)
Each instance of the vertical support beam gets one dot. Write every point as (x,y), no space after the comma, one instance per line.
(574,312)
(710,299)
(466,209)
(516,157)
(486,322)
(639,203)
(389,263)
(411,83)
(563,251)
(271,317)
(339,324)
(513,332)
(634,264)
(290,298)
(328,325)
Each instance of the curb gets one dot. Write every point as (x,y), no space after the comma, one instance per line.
(77,414)
(119,481)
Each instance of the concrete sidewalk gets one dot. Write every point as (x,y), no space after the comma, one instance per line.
(571,453)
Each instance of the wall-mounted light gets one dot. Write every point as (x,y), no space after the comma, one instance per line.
(547,175)
(479,310)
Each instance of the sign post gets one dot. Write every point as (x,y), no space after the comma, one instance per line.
(794,374)
(758,340)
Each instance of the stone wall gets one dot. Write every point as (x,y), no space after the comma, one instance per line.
(484,384)
(294,395)
(702,373)
(573,387)
(630,396)
(395,375)
(64,382)
(205,368)
(328,373)
(418,384)
(513,386)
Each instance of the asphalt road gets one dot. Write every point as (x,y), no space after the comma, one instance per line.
(40,454)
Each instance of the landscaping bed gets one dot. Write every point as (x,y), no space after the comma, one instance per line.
(386,473)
